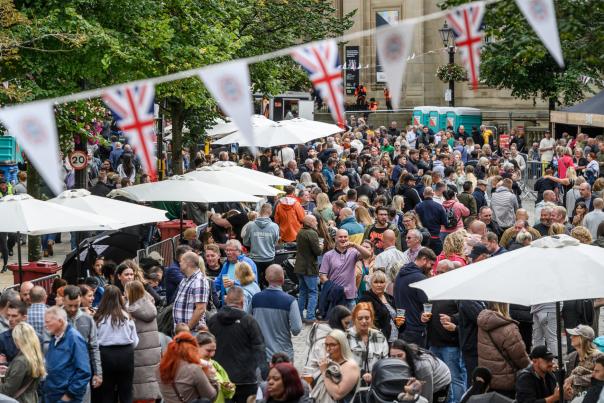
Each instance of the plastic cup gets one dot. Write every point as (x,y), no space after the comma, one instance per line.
(428,308)
(400,313)
(224,278)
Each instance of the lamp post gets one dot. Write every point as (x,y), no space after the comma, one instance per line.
(446,34)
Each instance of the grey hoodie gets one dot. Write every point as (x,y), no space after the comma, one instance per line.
(262,236)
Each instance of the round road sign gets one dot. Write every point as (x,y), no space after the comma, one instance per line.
(78,160)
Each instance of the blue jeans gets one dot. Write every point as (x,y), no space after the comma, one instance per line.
(452,357)
(308,295)
(46,238)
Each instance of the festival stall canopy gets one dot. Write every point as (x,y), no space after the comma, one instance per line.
(127,213)
(291,131)
(232,180)
(588,113)
(224,127)
(182,189)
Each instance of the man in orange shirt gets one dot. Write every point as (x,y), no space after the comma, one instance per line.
(289,215)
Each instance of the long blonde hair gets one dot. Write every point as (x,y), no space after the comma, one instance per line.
(28,344)
(362,215)
(322,201)
(500,308)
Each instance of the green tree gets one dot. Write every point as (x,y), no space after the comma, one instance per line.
(516,59)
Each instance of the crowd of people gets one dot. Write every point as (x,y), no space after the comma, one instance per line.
(368,213)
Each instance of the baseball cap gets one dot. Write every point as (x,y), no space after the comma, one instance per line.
(482,182)
(541,352)
(583,331)
(156,256)
(478,250)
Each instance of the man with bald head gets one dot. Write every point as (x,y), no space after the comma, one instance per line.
(338,265)
(24,292)
(549,197)
(277,314)
(509,235)
(349,222)
(391,258)
(306,268)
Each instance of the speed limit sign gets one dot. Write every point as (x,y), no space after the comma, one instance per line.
(78,160)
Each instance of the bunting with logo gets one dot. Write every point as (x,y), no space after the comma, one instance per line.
(33,126)
(320,60)
(133,109)
(229,83)
(541,14)
(394,44)
(466,22)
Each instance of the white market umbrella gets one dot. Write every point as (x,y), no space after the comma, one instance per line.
(232,180)
(25,215)
(291,131)
(182,189)
(127,213)
(224,127)
(551,269)
(256,176)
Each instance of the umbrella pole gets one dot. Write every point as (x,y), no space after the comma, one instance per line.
(181,235)
(561,373)
(78,263)
(19,258)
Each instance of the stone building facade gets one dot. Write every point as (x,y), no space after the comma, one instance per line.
(420,85)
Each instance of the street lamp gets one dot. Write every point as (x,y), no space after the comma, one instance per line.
(446,34)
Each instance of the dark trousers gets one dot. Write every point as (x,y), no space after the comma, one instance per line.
(118,371)
(242,392)
(471,362)
(261,267)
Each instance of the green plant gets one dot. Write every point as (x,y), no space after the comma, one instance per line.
(448,72)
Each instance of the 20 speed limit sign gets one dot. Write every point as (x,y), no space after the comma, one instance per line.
(78,160)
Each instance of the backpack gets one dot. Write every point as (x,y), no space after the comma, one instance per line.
(452,220)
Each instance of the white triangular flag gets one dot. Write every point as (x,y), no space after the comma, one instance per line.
(229,83)
(33,126)
(394,43)
(541,14)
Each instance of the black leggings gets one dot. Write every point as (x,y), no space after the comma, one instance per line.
(118,370)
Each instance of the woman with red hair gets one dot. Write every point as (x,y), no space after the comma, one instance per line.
(284,385)
(180,376)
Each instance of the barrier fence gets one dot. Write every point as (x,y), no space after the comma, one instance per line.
(165,248)
(45,282)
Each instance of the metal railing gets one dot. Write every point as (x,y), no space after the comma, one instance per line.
(165,248)
(45,282)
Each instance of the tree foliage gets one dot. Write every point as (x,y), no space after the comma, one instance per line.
(517,60)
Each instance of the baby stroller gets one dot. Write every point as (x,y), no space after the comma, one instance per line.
(388,379)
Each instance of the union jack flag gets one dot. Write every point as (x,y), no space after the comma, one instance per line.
(466,22)
(132,108)
(321,62)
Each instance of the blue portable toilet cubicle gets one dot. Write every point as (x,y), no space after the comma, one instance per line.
(468,117)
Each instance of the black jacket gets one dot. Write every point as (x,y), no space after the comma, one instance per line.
(100,189)
(467,326)
(366,190)
(530,388)
(382,316)
(481,200)
(410,196)
(241,347)
(593,393)
(408,298)
(438,336)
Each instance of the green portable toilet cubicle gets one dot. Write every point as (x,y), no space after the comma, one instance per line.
(421,115)
(468,117)
(434,119)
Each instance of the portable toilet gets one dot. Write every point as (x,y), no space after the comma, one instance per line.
(447,117)
(421,115)
(434,119)
(468,117)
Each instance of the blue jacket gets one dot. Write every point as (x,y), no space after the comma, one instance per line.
(329,176)
(68,366)
(331,295)
(219,286)
(351,225)
(432,215)
(481,199)
(98,294)
(410,299)
(173,277)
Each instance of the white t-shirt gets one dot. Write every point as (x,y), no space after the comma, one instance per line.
(547,143)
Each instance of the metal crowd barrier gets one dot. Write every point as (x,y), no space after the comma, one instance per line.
(45,282)
(166,248)
(530,174)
